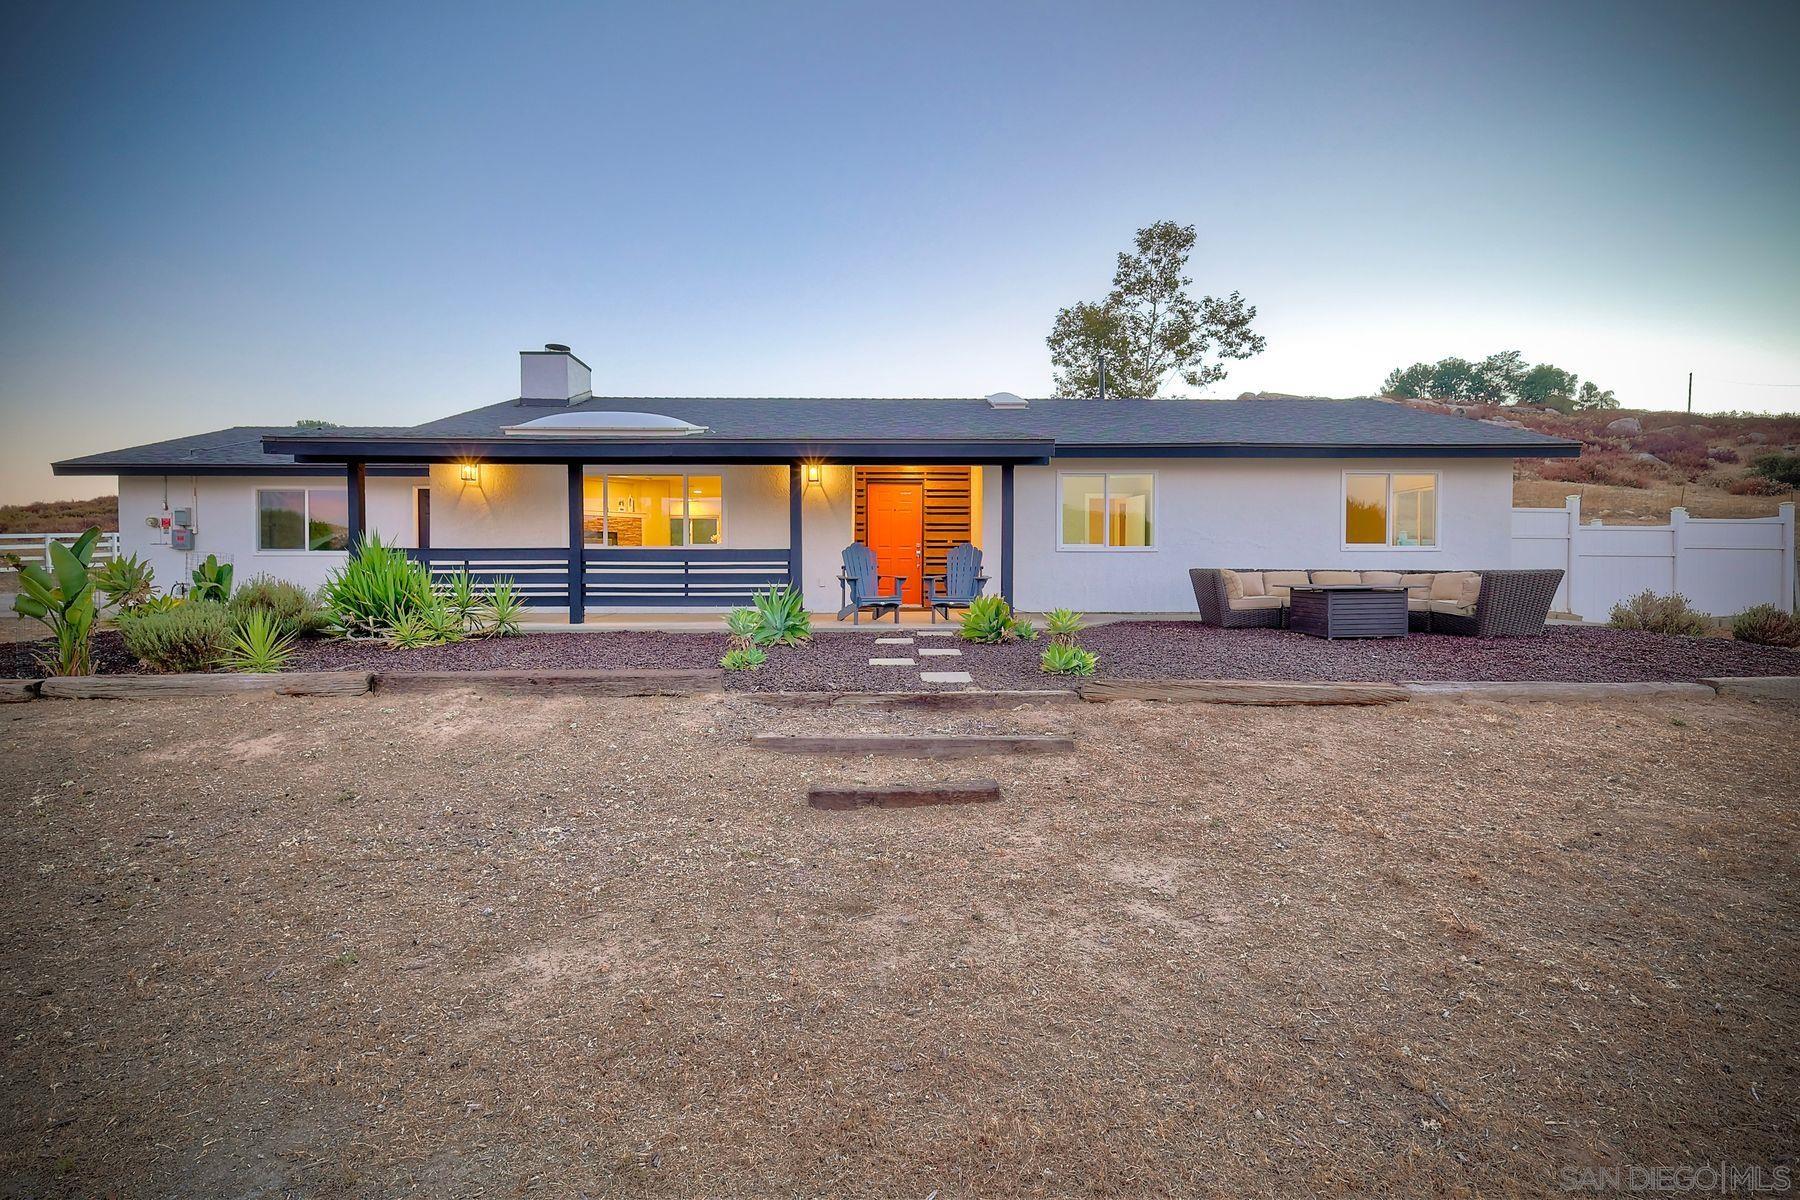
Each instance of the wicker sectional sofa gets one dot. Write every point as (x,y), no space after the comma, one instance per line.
(1469,603)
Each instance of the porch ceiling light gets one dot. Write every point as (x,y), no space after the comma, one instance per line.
(605,424)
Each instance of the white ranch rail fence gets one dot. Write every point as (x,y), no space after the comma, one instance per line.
(34,548)
(1722,565)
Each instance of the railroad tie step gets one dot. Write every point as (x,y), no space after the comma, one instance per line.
(903,795)
(915,745)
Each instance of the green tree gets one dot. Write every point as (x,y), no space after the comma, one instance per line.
(1592,397)
(1148,327)
(1547,385)
(1495,380)
(1410,383)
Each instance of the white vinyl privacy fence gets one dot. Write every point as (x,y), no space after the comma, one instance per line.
(1722,566)
(34,548)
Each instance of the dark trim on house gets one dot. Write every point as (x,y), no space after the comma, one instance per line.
(1170,450)
(310,469)
(356,489)
(796,499)
(1006,531)
(918,451)
(577,543)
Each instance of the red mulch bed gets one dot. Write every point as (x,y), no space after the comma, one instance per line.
(1133,650)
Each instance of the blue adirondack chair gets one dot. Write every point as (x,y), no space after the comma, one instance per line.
(960,583)
(859,586)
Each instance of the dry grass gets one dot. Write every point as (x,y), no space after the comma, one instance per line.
(556,947)
(60,516)
(1647,505)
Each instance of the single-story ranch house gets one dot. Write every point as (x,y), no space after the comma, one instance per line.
(652,503)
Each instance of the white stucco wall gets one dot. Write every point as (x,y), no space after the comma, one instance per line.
(225,518)
(1268,513)
(510,506)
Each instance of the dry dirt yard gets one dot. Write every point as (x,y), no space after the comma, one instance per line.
(447,946)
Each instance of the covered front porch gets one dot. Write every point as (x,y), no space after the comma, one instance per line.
(677,540)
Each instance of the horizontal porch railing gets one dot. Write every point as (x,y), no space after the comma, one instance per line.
(679,576)
(540,576)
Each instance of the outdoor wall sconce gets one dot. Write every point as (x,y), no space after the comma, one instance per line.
(471,473)
(814,474)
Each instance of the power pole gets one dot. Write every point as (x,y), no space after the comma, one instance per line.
(1690,393)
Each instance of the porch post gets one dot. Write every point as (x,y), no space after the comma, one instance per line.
(1006,531)
(356,481)
(796,492)
(577,570)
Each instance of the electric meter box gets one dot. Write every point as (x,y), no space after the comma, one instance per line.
(181,537)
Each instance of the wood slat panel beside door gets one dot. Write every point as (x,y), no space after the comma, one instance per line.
(947,507)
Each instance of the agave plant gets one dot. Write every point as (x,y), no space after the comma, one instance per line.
(988,619)
(258,643)
(62,599)
(212,580)
(782,619)
(1060,658)
(744,658)
(742,624)
(126,582)
(1064,624)
(502,610)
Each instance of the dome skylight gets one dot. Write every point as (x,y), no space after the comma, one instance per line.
(606,424)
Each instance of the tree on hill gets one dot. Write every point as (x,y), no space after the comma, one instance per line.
(1501,378)
(1148,327)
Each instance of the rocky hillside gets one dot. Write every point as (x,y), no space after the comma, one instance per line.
(60,516)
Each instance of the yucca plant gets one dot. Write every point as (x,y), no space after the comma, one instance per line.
(62,599)
(742,624)
(462,598)
(445,626)
(378,588)
(126,582)
(501,611)
(782,619)
(258,643)
(212,580)
(411,632)
(1060,658)
(1064,625)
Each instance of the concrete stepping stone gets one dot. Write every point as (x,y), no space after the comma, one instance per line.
(946,677)
(893,662)
(940,651)
(936,633)
(901,641)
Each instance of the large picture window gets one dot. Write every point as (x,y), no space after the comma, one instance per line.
(302,519)
(1390,510)
(653,510)
(1111,510)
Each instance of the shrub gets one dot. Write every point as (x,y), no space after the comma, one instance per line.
(744,658)
(501,611)
(377,589)
(62,599)
(188,637)
(259,643)
(1722,454)
(989,619)
(1766,625)
(742,624)
(126,582)
(1778,468)
(1652,613)
(212,580)
(1061,658)
(411,632)
(1753,485)
(289,605)
(782,619)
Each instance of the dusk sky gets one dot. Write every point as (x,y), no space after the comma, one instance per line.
(249,214)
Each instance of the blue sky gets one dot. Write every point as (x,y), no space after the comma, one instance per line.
(245,214)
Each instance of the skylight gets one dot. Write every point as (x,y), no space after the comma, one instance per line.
(605,424)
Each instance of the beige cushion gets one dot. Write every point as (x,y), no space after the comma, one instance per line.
(1453,608)
(1278,582)
(1234,585)
(1417,603)
(1418,587)
(1336,577)
(1240,603)
(1381,578)
(1253,583)
(1462,587)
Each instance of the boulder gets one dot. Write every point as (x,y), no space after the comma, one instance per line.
(1625,425)
(1649,458)
(1755,437)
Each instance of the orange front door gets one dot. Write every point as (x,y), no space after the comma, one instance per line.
(897,534)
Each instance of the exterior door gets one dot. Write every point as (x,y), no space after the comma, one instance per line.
(422,517)
(897,534)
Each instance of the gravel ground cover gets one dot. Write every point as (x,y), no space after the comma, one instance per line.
(438,946)
(1127,649)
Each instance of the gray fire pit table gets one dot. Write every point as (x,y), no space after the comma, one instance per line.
(1348,610)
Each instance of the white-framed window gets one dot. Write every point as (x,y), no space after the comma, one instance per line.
(644,509)
(1106,510)
(302,519)
(1390,510)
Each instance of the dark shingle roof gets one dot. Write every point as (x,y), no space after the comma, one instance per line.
(1055,426)
(239,448)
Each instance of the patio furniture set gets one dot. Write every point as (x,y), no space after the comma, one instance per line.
(1339,604)
(859,584)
